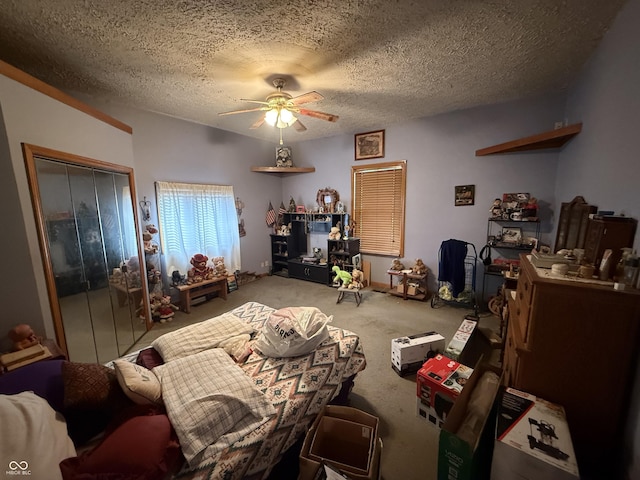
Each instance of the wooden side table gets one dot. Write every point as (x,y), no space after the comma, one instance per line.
(403,279)
(196,290)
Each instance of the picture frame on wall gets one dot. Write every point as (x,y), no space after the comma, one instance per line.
(369,145)
(465,195)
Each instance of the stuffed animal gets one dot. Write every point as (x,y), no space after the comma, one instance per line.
(419,268)
(219,268)
(496,208)
(22,336)
(356,279)
(150,246)
(342,276)
(397,265)
(200,270)
(165,309)
(334,234)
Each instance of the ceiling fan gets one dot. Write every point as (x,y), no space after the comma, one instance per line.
(280,107)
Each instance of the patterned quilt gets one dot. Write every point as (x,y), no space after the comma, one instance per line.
(298,388)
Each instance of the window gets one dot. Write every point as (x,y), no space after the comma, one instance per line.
(197,219)
(378,196)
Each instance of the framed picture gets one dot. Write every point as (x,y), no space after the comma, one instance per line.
(357,261)
(513,201)
(369,145)
(465,195)
(512,235)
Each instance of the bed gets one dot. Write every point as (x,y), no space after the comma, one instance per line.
(297,388)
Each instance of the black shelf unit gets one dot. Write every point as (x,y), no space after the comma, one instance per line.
(341,253)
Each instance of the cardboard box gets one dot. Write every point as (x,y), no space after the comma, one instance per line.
(409,353)
(412,288)
(458,459)
(345,438)
(439,382)
(468,344)
(532,440)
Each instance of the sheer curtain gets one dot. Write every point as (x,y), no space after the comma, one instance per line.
(197,218)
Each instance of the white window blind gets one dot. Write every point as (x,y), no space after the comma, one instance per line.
(197,218)
(378,196)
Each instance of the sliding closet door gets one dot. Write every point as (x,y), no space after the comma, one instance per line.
(87,232)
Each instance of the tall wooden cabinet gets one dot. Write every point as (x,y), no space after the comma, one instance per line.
(608,232)
(574,343)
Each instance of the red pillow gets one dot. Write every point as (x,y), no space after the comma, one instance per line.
(149,358)
(142,448)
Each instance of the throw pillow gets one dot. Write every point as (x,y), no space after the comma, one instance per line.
(149,358)
(142,448)
(138,383)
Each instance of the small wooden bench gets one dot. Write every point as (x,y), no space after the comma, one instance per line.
(200,289)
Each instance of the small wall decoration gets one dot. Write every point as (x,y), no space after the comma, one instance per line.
(327,199)
(465,195)
(283,157)
(369,145)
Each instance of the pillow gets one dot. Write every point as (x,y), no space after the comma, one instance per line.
(34,439)
(43,378)
(92,396)
(208,396)
(138,383)
(149,358)
(142,448)
(91,386)
(200,336)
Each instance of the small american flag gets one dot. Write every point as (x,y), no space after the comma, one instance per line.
(282,210)
(271,216)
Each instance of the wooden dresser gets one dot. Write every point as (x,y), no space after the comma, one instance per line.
(575,343)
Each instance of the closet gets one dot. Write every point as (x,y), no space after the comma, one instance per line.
(87,227)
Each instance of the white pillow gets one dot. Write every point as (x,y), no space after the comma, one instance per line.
(208,396)
(200,336)
(34,437)
(138,383)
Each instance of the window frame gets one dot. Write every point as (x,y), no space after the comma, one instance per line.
(398,210)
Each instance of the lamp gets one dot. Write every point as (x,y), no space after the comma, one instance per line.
(279,117)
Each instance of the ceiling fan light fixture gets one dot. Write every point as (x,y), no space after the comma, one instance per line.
(271,116)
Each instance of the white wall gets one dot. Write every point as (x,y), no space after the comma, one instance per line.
(602,165)
(31,117)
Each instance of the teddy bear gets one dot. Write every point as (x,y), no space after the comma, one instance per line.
(220,270)
(397,265)
(150,247)
(419,268)
(165,309)
(342,276)
(356,279)
(200,271)
(334,234)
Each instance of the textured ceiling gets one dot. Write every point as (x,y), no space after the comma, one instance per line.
(377,62)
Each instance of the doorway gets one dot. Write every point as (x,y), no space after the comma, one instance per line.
(87,227)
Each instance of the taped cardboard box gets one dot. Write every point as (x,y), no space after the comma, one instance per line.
(457,457)
(345,438)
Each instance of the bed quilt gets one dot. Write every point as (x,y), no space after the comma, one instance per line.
(298,388)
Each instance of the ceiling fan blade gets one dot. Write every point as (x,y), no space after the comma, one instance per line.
(258,123)
(321,115)
(242,111)
(262,102)
(306,98)
(299,126)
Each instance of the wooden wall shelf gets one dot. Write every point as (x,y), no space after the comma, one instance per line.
(283,169)
(552,139)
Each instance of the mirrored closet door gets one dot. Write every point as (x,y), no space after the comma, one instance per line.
(88,235)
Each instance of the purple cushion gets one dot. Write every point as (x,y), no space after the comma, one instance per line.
(149,358)
(44,378)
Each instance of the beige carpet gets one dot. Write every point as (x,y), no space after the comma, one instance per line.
(409,444)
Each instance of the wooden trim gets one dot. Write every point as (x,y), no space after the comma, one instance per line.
(32,82)
(29,152)
(551,139)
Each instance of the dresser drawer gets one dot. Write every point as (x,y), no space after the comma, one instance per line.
(522,309)
(511,361)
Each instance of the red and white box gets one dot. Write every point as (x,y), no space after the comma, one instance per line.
(439,382)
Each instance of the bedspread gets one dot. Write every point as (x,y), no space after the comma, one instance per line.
(298,388)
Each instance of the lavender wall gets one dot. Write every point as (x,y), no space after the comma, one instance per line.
(602,165)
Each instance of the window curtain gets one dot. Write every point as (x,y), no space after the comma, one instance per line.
(197,218)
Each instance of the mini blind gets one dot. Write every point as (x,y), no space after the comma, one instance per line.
(378,196)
